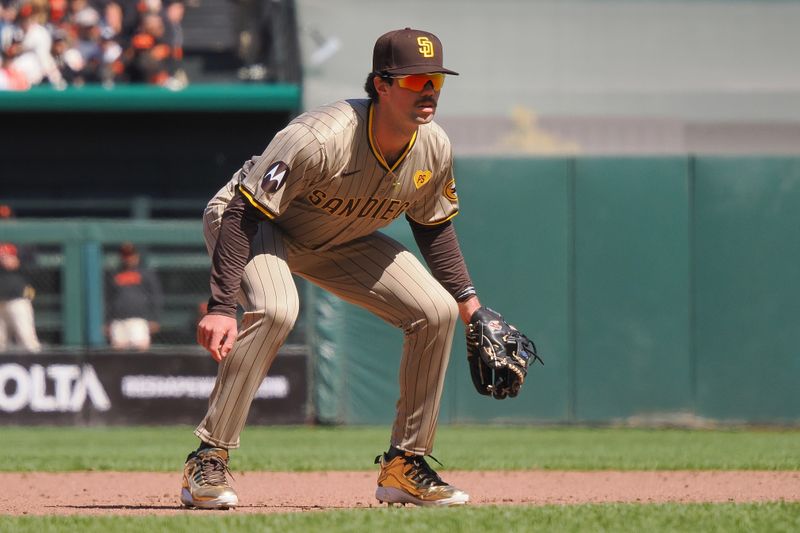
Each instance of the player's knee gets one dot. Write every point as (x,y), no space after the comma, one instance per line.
(439,314)
(448,311)
(275,312)
(280,314)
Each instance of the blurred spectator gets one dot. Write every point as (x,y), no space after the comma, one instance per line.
(11,79)
(174,11)
(252,20)
(58,9)
(80,11)
(31,55)
(112,67)
(86,29)
(74,42)
(122,16)
(68,59)
(41,10)
(16,297)
(134,302)
(126,18)
(149,58)
(8,13)
(85,51)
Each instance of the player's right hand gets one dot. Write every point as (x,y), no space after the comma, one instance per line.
(216,334)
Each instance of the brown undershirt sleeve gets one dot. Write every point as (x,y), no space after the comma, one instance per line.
(239,225)
(439,247)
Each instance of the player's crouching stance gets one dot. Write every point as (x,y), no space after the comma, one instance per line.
(311,205)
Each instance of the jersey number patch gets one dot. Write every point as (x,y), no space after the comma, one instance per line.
(275,177)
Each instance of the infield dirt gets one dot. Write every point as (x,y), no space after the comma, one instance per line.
(141,493)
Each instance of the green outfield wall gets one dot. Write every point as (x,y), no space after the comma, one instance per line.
(658,290)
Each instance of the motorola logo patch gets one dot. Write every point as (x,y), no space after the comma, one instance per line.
(275,177)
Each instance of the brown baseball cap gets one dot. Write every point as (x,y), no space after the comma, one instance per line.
(408,51)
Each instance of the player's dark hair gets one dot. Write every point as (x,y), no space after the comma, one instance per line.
(369,85)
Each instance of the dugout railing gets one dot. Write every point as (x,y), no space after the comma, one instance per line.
(66,262)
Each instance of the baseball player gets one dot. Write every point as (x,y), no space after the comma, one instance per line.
(135,299)
(312,205)
(16,296)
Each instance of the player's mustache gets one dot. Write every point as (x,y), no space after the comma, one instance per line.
(427,101)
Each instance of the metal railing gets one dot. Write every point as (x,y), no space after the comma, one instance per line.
(67,261)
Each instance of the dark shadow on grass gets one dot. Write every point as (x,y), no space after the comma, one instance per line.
(300,507)
(285,507)
(120,507)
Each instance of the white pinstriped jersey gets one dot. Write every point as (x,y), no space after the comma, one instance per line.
(324,183)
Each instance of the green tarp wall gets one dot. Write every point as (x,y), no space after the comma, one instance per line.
(658,290)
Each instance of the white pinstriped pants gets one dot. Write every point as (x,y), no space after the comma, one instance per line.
(374,272)
(16,316)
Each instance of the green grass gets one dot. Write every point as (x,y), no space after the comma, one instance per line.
(772,517)
(353,448)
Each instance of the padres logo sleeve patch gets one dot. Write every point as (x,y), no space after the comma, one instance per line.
(449,191)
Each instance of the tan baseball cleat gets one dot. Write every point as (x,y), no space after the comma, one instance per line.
(204,483)
(407,478)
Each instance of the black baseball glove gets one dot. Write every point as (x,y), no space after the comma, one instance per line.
(498,354)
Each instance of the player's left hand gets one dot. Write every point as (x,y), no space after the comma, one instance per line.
(216,334)
(499,355)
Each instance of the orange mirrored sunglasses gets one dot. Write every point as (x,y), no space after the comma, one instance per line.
(417,82)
